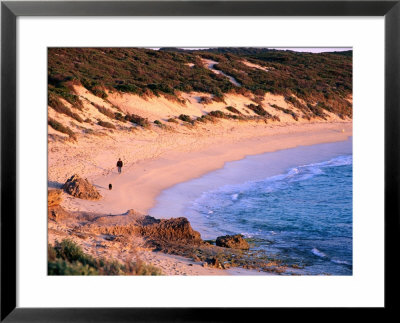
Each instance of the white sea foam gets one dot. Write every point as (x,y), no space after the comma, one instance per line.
(318,253)
(340,262)
(278,182)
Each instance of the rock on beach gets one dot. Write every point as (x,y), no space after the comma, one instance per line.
(81,188)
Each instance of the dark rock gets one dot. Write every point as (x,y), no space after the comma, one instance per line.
(81,188)
(214,263)
(235,241)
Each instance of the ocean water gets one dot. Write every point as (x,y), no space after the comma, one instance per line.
(295,205)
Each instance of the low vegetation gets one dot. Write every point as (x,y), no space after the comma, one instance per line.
(185,117)
(218,114)
(258,109)
(57,105)
(138,120)
(66,93)
(173,120)
(287,111)
(323,79)
(118,116)
(106,124)
(205,100)
(233,110)
(67,258)
(59,127)
(205,118)
(103,110)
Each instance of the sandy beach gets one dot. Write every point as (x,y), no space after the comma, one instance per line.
(141,181)
(173,115)
(147,174)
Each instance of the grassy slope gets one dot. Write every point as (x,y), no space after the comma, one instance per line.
(312,83)
(67,258)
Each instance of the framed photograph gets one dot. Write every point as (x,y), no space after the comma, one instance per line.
(190,160)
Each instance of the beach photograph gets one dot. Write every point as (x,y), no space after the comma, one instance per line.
(200,161)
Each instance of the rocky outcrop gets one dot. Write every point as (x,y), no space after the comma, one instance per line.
(57,213)
(81,188)
(172,230)
(54,211)
(54,197)
(235,242)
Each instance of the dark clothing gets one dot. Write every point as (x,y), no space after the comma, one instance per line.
(110,187)
(119,165)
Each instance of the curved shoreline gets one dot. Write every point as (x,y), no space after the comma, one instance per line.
(179,200)
(140,183)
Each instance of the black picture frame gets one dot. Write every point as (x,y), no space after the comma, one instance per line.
(11,10)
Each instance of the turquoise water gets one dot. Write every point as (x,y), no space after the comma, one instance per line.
(298,211)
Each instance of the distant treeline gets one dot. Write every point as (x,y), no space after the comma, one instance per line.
(322,79)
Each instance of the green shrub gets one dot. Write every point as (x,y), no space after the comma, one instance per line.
(296,103)
(118,116)
(94,87)
(233,110)
(217,114)
(258,109)
(89,131)
(325,77)
(317,111)
(140,121)
(66,94)
(205,100)
(51,253)
(67,258)
(58,106)
(70,251)
(157,122)
(218,96)
(287,111)
(104,110)
(59,127)
(62,267)
(173,120)
(206,118)
(185,117)
(127,88)
(106,124)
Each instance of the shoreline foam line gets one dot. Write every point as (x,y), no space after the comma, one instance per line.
(139,184)
(272,167)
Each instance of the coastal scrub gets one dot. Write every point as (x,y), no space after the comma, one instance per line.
(67,258)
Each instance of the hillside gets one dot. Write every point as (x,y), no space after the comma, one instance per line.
(171,116)
(96,91)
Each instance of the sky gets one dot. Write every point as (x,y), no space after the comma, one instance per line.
(315,49)
(296,49)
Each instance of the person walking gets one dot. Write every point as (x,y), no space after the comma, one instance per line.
(119,165)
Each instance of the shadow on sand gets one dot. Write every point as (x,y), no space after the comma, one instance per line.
(52,184)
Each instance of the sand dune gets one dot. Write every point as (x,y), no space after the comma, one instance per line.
(159,157)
